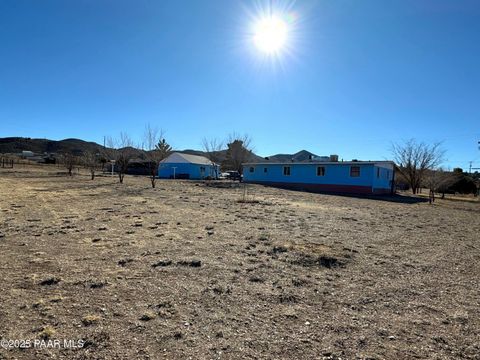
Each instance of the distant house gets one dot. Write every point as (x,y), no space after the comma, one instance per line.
(357,177)
(27,154)
(186,166)
(39,158)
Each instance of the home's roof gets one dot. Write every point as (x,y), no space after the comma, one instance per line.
(323,163)
(177,157)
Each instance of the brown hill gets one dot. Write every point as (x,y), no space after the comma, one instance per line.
(78,147)
(19,144)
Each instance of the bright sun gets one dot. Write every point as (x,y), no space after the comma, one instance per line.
(270,34)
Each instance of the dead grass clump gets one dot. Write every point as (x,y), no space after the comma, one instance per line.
(47,332)
(38,304)
(287,299)
(124,262)
(263,238)
(326,261)
(256,279)
(98,284)
(329,261)
(56,299)
(97,341)
(90,320)
(299,282)
(218,290)
(165,309)
(311,254)
(147,316)
(50,281)
(248,201)
(162,263)
(278,250)
(191,263)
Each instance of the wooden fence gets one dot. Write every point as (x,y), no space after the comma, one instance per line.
(6,162)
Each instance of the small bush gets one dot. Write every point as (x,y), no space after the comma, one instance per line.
(47,332)
(149,315)
(50,281)
(90,320)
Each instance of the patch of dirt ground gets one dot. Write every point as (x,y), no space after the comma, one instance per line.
(187,271)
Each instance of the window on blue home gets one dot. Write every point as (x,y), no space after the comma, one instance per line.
(354,171)
(286,170)
(378,172)
(202,169)
(320,170)
(265,170)
(252,169)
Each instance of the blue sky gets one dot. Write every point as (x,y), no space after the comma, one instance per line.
(355,75)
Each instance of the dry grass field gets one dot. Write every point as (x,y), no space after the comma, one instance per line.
(186,271)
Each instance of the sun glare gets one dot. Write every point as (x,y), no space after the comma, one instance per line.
(270,34)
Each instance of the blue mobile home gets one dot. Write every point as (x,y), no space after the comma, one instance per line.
(357,177)
(186,166)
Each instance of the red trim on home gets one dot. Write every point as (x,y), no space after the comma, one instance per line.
(350,189)
(381,191)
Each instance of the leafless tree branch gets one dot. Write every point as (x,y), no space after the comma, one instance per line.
(414,159)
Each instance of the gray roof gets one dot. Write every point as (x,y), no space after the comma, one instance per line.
(187,158)
(196,159)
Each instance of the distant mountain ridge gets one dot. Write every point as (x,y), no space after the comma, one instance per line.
(302,155)
(78,147)
(19,144)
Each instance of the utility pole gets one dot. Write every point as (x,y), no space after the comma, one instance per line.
(470,168)
(472,161)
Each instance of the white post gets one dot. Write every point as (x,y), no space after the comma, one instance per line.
(174,172)
(113,163)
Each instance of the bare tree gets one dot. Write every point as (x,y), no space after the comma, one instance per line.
(68,160)
(121,151)
(440,180)
(213,151)
(239,151)
(108,153)
(414,159)
(91,162)
(156,149)
(444,180)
